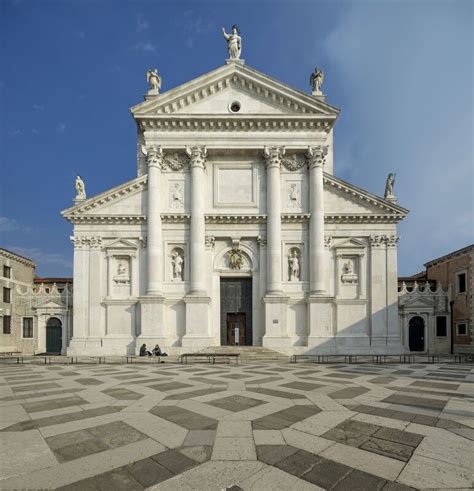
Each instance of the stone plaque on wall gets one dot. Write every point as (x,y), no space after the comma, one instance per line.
(234,186)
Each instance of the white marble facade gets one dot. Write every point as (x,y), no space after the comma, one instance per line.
(235,194)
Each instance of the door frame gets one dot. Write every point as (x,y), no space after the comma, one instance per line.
(424,340)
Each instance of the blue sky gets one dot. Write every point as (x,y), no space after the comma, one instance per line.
(401,72)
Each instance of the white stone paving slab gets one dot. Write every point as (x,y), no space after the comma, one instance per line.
(274,479)
(231,448)
(23,452)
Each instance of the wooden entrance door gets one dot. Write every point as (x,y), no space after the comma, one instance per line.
(53,335)
(236,329)
(416,334)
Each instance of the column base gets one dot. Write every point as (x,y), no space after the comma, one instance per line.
(197,321)
(276,325)
(151,317)
(320,314)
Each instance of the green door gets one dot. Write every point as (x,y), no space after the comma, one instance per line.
(53,335)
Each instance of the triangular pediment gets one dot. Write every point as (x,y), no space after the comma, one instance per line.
(213,93)
(121,244)
(419,300)
(123,200)
(343,198)
(49,304)
(351,243)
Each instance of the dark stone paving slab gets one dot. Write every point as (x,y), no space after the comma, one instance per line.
(88,381)
(148,472)
(348,393)
(184,418)
(35,387)
(326,473)
(76,444)
(34,424)
(435,385)
(194,393)
(422,402)
(235,376)
(285,418)
(341,375)
(122,394)
(302,385)
(167,386)
(276,393)
(389,442)
(236,403)
(49,405)
(360,481)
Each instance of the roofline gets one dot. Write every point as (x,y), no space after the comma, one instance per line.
(459,252)
(52,280)
(18,256)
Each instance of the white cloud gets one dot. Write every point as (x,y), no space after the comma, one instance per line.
(15,133)
(8,224)
(61,128)
(38,107)
(146,47)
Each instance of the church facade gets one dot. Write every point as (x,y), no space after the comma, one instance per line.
(235,230)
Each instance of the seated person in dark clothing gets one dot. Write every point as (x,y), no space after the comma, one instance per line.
(157,351)
(144,351)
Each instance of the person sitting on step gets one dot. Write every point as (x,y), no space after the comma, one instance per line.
(157,351)
(144,351)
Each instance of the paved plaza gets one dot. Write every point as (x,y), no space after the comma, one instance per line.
(252,426)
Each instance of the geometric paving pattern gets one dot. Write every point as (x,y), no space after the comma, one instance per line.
(252,426)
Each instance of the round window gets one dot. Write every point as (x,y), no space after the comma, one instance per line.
(235,107)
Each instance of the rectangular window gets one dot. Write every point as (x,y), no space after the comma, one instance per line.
(7,272)
(462,329)
(461,282)
(7,295)
(7,324)
(441,326)
(27,327)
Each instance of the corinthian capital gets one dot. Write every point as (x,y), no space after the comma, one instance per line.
(197,156)
(154,155)
(273,156)
(317,156)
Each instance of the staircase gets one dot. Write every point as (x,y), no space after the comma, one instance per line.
(249,354)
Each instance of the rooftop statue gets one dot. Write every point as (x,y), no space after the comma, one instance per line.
(80,188)
(389,187)
(316,80)
(154,80)
(234,42)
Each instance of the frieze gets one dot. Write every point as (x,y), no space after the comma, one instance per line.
(175,162)
(82,241)
(210,241)
(230,124)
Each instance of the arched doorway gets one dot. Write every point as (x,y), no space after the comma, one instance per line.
(53,335)
(416,334)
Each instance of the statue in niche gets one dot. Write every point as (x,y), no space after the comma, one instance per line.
(177,262)
(316,80)
(177,196)
(154,80)
(293,196)
(122,276)
(80,188)
(294,266)
(234,42)
(348,274)
(389,187)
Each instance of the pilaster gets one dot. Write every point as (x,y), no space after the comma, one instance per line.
(378,290)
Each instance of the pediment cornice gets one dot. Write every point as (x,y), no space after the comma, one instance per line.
(171,106)
(363,196)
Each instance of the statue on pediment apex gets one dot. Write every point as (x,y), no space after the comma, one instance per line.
(234,42)
(316,80)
